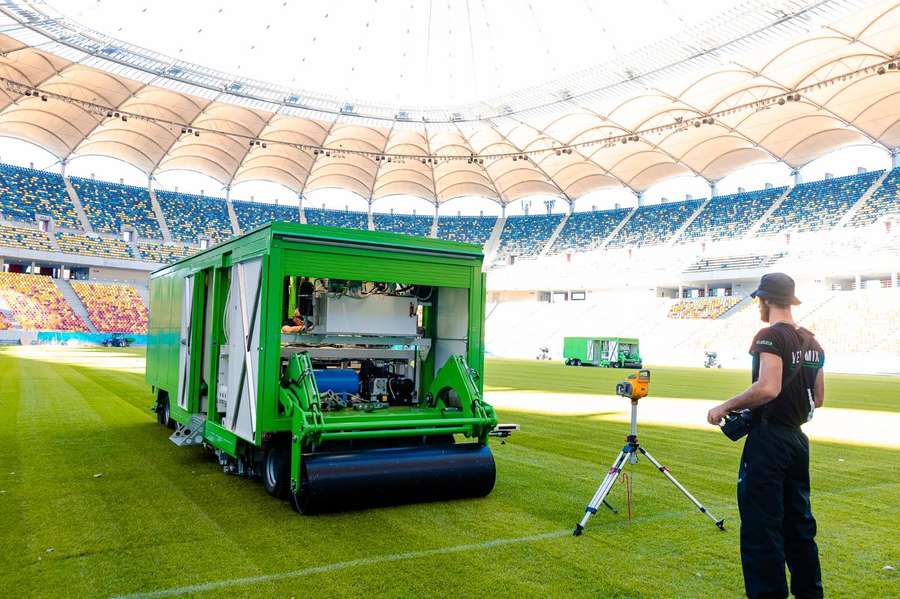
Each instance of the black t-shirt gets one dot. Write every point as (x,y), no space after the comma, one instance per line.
(797,348)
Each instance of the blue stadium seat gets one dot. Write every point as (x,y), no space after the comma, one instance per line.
(885,201)
(585,231)
(255,214)
(403,223)
(25,239)
(819,204)
(25,193)
(525,235)
(75,243)
(191,217)
(732,215)
(109,206)
(348,219)
(655,224)
(467,229)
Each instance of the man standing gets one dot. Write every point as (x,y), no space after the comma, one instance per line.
(777,525)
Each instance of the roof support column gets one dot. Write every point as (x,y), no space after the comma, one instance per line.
(371,219)
(795,174)
(62,167)
(502,210)
(640,199)
(713,189)
(895,157)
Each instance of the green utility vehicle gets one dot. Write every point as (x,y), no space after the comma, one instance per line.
(606,352)
(377,400)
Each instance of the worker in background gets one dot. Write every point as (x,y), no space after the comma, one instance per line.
(777,524)
(294,325)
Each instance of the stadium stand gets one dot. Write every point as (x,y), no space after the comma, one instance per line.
(838,323)
(403,223)
(731,216)
(26,239)
(467,229)
(884,201)
(524,235)
(25,193)
(655,224)
(191,217)
(102,247)
(113,308)
(255,214)
(585,231)
(337,218)
(163,253)
(734,262)
(819,204)
(37,304)
(708,308)
(109,206)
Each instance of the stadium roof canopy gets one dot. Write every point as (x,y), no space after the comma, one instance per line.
(764,80)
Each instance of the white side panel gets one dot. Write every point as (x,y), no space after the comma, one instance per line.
(184,351)
(243,347)
(443,349)
(452,324)
(452,313)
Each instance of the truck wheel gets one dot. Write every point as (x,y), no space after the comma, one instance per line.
(164,412)
(277,471)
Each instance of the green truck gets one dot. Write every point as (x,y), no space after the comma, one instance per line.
(341,367)
(605,352)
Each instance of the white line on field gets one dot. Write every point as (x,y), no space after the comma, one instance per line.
(366,561)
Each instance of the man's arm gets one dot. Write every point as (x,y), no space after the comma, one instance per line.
(765,389)
(819,390)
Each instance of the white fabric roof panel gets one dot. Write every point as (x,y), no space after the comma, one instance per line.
(833,110)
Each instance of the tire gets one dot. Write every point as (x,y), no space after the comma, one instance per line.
(277,470)
(164,412)
(568,362)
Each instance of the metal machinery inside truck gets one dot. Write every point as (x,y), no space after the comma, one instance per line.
(377,400)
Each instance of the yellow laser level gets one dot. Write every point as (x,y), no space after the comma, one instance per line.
(637,385)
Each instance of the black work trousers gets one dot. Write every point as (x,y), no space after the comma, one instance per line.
(777,525)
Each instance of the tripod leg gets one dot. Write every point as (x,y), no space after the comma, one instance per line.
(602,491)
(719,522)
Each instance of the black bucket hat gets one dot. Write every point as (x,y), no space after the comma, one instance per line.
(778,287)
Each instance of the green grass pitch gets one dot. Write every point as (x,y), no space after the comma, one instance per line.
(161,519)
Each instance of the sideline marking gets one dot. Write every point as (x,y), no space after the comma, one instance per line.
(368,561)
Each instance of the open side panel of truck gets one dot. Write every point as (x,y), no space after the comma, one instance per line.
(185,338)
(239,357)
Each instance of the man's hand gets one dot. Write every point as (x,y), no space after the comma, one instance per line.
(717,415)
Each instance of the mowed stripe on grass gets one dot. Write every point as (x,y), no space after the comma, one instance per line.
(860,392)
(161,517)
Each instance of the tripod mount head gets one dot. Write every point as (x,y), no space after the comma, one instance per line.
(636,387)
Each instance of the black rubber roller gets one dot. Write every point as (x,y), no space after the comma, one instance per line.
(379,477)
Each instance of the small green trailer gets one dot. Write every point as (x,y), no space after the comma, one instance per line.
(605,352)
(377,401)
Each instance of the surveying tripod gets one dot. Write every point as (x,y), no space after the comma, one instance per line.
(629,452)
